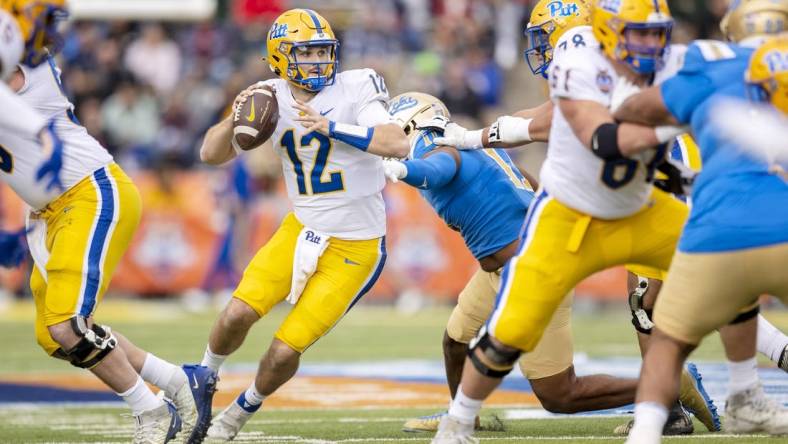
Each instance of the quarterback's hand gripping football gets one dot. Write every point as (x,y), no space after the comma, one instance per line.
(311,119)
(394,170)
(241,97)
(459,137)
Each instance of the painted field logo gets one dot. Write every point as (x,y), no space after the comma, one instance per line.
(278,31)
(559,9)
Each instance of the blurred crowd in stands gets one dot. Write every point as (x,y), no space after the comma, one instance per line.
(148,91)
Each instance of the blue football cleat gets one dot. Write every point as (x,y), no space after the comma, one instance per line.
(202,382)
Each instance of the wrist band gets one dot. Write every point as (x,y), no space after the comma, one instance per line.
(353,135)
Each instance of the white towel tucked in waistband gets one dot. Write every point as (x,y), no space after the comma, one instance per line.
(310,246)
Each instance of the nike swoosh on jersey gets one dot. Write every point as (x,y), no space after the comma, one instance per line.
(250,117)
(323,113)
(348,261)
(424,185)
(196,384)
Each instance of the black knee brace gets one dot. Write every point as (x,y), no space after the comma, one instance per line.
(94,345)
(641,317)
(501,362)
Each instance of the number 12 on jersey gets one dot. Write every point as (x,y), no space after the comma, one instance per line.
(316,182)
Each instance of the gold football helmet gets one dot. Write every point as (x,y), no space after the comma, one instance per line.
(550,19)
(39,21)
(767,74)
(297,33)
(613,20)
(747,18)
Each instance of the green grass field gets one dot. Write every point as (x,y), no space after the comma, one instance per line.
(367,334)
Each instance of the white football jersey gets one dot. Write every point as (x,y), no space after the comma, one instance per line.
(82,154)
(572,173)
(335,188)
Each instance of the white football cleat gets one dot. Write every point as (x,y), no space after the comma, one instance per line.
(229,422)
(452,431)
(752,411)
(157,426)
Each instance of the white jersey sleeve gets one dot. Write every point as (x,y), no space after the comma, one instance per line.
(373,97)
(572,174)
(19,117)
(335,188)
(82,154)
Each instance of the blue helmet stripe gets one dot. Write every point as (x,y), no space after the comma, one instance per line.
(315,20)
(656,5)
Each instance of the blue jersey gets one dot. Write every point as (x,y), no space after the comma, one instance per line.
(737,203)
(486,200)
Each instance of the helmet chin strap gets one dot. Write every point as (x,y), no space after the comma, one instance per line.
(642,65)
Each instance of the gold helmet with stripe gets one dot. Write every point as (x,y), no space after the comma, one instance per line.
(39,21)
(767,73)
(302,49)
(550,19)
(615,22)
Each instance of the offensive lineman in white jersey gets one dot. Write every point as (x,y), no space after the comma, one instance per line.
(595,209)
(327,254)
(22,119)
(77,235)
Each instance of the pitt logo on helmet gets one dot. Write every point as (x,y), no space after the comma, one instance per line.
(767,74)
(302,49)
(776,61)
(549,20)
(278,31)
(559,9)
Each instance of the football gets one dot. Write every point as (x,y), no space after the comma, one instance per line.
(255,119)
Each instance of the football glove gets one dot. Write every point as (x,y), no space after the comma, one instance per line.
(394,170)
(679,178)
(460,138)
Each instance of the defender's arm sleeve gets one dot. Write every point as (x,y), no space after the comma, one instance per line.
(434,171)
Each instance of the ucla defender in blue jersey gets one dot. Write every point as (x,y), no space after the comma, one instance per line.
(452,181)
(735,243)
